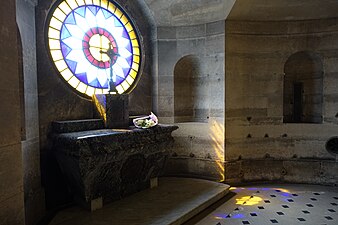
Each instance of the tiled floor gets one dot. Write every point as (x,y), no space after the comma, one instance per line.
(277,204)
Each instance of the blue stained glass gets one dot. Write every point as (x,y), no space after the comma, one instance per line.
(81,11)
(82,77)
(125,34)
(129,60)
(65,49)
(70,19)
(106,14)
(126,71)
(95,83)
(117,23)
(65,33)
(93,9)
(128,47)
(119,80)
(72,65)
(99,85)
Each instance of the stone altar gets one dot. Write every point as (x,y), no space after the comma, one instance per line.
(102,165)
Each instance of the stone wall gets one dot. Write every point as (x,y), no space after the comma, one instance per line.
(11,165)
(259,146)
(34,193)
(190,93)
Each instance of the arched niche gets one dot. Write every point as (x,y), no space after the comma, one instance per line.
(303,88)
(187,72)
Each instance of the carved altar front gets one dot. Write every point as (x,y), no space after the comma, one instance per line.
(102,165)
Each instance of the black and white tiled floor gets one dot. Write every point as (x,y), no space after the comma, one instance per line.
(279,204)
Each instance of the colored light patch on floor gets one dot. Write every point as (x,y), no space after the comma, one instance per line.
(286,205)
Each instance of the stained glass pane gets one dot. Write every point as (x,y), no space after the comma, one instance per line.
(54,34)
(80,2)
(56,55)
(74,82)
(65,7)
(59,14)
(67,74)
(54,44)
(72,4)
(92,41)
(89,2)
(118,13)
(55,23)
(104,4)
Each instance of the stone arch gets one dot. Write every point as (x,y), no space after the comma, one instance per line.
(186,73)
(303,88)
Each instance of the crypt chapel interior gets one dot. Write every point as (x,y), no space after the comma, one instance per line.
(245,94)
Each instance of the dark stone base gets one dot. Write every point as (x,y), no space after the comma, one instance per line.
(111,164)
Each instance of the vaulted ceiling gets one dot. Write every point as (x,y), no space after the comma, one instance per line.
(190,12)
(276,10)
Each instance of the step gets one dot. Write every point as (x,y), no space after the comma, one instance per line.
(173,202)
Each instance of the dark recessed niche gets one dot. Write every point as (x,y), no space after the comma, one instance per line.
(332,145)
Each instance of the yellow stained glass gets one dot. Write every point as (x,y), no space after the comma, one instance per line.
(59,14)
(74,82)
(52,33)
(90,91)
(72,4)
(118,13)
(130,80)
(133,73)
(104,4)
(80,2)
(82,87)
(136,51)
(111,7)
(66,74)
(89,2)
(65,8)
(56,55)
(129,27)
(119,89)
(124,20)
(125,85)
(61,65)
(55,23)
(132,35)
(54,44)
(135,66)
(137,59)
(134,43)
(96,2)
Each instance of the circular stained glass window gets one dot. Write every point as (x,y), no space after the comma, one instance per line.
(92,42)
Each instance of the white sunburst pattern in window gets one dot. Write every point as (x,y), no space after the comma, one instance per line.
(79,34)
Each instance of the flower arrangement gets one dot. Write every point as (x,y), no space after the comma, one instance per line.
(146,121)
